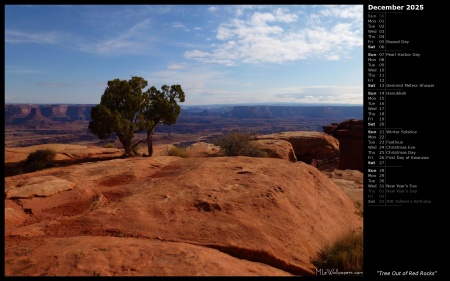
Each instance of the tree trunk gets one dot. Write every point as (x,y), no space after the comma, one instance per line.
(150,141)
(126,145)
(127,149)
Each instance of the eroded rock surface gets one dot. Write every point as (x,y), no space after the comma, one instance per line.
(277,149)
(38,187)
(315,148)
(163,215)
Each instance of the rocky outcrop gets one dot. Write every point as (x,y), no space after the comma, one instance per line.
(128,256)
(350,134)
(315,148)
(202,149)
(163,215)
(280,149)
(14,214)
(38,186)
(274,148)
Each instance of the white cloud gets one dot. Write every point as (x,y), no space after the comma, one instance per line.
(128,41)
(180,26)
(175,66)
(13,36)
(196,54)
(54,85)
(213,9)
(206,86)
(280,36)
(347,12)
(241,9)
(17,70)
(282,15)
(321,94)
(261,18)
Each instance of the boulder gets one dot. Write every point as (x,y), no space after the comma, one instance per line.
(277,149)
(14,214)
(315,148)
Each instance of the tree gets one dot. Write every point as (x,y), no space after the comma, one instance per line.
(161,109)
(120,111)
(125,109)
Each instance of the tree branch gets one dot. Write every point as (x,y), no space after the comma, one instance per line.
(136,144)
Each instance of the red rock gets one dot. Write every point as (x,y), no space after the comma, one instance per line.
(315,148)
(280,149)
(177,216)
(350,134)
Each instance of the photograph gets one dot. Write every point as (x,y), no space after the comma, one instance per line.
(217,140)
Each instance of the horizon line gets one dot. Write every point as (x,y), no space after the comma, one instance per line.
(211,104)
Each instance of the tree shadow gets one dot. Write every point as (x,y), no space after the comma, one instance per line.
(17,168)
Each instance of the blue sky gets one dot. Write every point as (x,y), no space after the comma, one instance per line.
(224,54)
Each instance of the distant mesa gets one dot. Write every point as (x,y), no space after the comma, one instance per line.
(340,112)
(33,124)
(26,113)
(29,113)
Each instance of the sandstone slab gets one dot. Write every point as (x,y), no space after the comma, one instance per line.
(39,186)
(121,256)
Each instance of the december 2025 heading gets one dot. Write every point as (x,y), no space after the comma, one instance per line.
(413,7)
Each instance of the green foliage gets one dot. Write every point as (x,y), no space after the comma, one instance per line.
(40,159)
(346,254)
(119,111)
(162,108)
(238,143)
(176,151)
(109,145)
(125,109)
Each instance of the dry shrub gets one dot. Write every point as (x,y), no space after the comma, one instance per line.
(109,145)
(237,143)
(177,151)
(40,159)
(346,254)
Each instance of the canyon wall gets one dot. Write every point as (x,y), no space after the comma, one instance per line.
(42,114)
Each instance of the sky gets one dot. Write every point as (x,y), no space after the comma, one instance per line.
(223,54)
